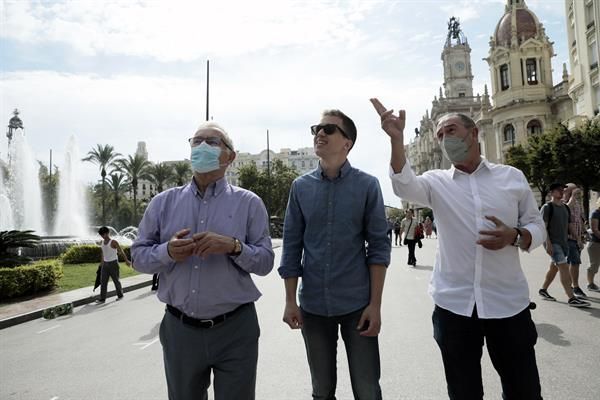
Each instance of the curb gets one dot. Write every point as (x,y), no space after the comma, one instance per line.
(30,316)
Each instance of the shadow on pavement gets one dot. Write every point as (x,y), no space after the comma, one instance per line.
(594,312)
(424,267)
(152,334)
(144,295)
(552,334)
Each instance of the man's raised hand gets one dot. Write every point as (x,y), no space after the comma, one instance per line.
(392,124)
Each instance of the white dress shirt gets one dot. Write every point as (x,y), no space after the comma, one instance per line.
(465,273)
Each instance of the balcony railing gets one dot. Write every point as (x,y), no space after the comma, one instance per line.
(590,25)
(593,66)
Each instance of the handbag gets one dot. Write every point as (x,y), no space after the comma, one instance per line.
(405,241)
(419,232)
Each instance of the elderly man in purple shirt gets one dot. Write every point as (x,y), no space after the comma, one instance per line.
(205,239)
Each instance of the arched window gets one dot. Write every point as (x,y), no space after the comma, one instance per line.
(534,127)
(509,134)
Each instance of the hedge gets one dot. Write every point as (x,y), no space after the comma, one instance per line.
(30,278)
(87,253)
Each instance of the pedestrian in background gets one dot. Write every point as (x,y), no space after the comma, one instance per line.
(593,248)
(408,227)
(110,264)
(572,197)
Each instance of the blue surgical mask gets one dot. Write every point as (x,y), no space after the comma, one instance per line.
(205,158)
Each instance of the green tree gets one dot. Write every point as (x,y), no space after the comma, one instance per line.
(161,174)
(118,188)
(135,168)
(49,188)
(103,157)
(10,241)
(273,189)
(183,172)
(396,214)
(577,152)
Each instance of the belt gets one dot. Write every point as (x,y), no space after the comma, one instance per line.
(202,323)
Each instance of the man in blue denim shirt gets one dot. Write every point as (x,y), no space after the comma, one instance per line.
(335,238)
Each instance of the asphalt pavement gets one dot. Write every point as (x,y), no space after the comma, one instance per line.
(112,351)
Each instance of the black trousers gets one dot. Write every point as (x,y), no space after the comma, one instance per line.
(510,343)
(110,269)
(412,259)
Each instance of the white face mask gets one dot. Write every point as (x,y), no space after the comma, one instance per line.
(455,149)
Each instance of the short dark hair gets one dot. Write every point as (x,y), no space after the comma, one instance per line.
(556,185)
(465,119)
(103,230)
(347,123)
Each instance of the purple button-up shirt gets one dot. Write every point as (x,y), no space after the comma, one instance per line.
(218,283)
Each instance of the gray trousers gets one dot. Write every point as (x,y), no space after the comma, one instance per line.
(110,269)
(229,351)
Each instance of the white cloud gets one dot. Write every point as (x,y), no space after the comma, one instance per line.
(182,30)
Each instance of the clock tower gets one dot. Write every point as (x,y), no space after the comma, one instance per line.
(456,58)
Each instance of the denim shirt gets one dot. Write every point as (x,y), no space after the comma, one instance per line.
(334,230)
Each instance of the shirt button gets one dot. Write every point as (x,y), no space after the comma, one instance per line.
(205,202)
(193,291)
(202,221)
(192,313)
(195,267)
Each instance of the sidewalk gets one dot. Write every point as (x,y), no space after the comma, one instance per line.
(17,313)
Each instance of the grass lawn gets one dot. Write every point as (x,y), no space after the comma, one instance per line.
(81,275)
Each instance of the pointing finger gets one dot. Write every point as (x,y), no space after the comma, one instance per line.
(378,106)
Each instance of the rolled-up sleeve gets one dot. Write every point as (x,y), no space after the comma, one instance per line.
(529,216)
(257,255)
(293,234)
(409,186)
(379,245)
(148,254)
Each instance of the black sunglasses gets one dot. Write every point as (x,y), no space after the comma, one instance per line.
(329,129)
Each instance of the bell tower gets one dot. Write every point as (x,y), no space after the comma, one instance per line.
(456,58)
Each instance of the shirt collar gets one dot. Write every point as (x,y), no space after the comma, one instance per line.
(214,189)
(483,164)
(344,171)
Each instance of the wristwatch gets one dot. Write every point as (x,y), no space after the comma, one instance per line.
(518,239)
(237,247)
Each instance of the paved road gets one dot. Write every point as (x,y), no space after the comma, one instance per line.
(112,351)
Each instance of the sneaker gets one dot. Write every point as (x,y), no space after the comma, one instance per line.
(593,287)
(545,295)
(575,302)
(119,298)
(579,293)
(100,301)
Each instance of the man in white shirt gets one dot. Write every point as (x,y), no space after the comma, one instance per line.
(485,212)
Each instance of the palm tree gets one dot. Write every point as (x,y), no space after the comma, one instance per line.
(161,174)
(103,156)
(135,168)
(117,186)
(183,172)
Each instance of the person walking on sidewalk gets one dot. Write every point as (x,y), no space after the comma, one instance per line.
(572,197)
(557,218)
(594,248)
(408,226)
(335,238)
(485,213)
(205,239)
(110,264)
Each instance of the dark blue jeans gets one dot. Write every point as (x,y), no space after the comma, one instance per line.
(510,343)
(320,338)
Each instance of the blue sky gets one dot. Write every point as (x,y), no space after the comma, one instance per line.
(119,72)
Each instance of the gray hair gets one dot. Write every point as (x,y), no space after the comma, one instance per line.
(466,120)
(210,125)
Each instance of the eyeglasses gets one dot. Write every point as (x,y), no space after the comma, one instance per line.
(329,129)
(214,141)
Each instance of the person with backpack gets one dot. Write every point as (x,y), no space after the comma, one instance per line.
(556,216)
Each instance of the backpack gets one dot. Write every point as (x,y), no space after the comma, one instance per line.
(551,212)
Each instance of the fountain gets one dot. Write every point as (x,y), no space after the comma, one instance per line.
(21,199)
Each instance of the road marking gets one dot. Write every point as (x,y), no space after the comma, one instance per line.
(144,344)
(49,329)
